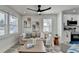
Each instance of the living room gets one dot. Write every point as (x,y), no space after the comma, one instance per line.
(22,23)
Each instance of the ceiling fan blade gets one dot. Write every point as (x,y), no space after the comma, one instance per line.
(32,9)
(45,9)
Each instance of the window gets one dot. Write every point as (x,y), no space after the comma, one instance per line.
(8,23)
(47,25)
(2,23)
(13,24)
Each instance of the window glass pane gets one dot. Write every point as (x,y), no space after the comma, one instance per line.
(13,22)
(46,29)
(47,25)
(2,23)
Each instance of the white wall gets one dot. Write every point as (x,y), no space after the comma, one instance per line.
(75,18)
(67,34)
(9,40)
(33,20)
(40,18)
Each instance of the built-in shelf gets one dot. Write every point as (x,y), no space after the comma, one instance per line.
(70,27)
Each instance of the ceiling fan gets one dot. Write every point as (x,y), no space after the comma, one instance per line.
(39,10)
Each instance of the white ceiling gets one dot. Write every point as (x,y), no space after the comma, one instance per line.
(72,11)
(55,8)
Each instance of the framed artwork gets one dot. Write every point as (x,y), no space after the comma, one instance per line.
(33,27)
(27,23)
(37,23)
(37,26)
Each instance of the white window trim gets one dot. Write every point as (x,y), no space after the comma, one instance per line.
(16,25)
(5,22)
(47,26)
(7,25)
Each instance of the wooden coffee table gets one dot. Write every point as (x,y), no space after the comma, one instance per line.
(38,48)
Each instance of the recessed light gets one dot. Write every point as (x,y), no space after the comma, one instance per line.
(24,12)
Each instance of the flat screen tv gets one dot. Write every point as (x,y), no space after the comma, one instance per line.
(71,23)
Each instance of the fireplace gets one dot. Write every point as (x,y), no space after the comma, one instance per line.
(75,38)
